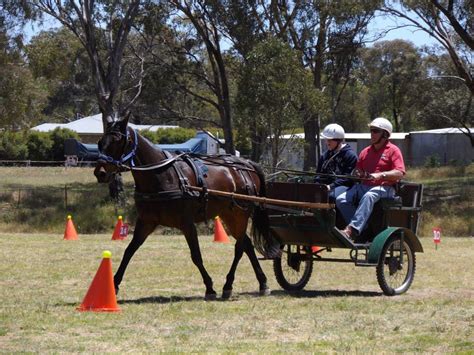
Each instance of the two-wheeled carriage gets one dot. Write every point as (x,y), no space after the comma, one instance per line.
(389,243)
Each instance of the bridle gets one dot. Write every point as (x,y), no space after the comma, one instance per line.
(120,163)
(129,157)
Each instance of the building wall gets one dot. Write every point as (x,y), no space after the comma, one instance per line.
(416,148)
(447,148)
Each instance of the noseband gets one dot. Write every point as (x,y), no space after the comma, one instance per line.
(125,157)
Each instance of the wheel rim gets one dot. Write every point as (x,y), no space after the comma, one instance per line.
(397,275)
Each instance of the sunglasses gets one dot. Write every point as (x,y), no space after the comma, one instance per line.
(375,130)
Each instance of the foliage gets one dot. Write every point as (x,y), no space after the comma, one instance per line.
(58,136)
(275,93)
(39,146)
(392,71)
(169,135)
(13,146)
(58,58)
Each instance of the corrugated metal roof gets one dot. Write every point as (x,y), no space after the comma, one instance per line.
(449,130)
(93,125)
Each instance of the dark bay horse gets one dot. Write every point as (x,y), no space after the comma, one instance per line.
(163,197)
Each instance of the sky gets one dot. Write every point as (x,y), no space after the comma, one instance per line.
(377,27)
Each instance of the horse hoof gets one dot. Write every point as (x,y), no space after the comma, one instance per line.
(210,296)
(265,292)
(226,294)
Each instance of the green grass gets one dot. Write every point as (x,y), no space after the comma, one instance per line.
(44,278)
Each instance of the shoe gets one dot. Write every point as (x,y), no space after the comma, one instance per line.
(349,232)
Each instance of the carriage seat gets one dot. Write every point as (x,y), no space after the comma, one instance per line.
(408,196)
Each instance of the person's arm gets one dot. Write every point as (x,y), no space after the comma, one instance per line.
(391,175)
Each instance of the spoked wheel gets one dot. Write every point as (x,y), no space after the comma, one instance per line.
(396,267)
(294,268)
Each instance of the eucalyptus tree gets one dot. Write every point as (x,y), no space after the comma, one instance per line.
(102,27)
(449,22)
(22,97)
(207,37)
(272,91)
(57,57)
(327,35)
(393,73)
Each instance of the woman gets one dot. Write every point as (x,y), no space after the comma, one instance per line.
(339,159)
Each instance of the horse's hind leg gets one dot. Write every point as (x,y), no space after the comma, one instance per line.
(191,237)
(262,279)
(238,252)
(142,231)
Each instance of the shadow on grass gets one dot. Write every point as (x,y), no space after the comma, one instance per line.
(321,293)
(161,299)
(235,297)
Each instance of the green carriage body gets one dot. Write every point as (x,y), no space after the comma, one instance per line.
(390,236)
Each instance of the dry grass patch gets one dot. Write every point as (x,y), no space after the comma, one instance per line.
(342,309)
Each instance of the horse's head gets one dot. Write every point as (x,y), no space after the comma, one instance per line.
(116,146)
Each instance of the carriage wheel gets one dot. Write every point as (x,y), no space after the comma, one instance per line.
(393,276)
(291,271)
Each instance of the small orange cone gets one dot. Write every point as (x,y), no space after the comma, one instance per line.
(315,248)
(220,236)
(120,231)
(70,232)
(101,294)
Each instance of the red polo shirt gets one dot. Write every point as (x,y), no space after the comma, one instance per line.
(387,158)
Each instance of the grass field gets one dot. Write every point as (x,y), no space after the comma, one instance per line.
(44,278)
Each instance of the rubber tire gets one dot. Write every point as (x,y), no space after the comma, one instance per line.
(280,266)
(383,270)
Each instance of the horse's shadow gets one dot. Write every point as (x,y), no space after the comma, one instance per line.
(278,293)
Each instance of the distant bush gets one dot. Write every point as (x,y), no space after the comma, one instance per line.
(432,161)
(39,145)
(58,136)
(13,146)
(169,135)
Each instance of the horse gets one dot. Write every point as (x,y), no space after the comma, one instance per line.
(164,196)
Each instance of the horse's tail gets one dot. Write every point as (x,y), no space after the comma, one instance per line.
(262,237)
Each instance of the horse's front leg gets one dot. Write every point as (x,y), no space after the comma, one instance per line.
(142,231)
(190,233)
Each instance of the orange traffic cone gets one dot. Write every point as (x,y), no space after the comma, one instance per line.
(70,232)
(119,231)
(101,294)
(220,236)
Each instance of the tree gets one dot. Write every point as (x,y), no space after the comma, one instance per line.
(204,17)
(273,89)
(102,27)
(393,73)
(327,35)
(21,96)
(450,23)
(58,58)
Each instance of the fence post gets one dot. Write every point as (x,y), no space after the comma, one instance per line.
(65,196)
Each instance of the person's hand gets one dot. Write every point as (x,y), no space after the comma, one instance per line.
(376,176)
(328,187)
(359,173)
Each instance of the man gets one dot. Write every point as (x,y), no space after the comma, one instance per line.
(339,159)
(382,162)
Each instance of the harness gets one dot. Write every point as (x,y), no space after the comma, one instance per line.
(198,164)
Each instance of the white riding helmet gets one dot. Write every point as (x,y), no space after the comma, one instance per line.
(382,123)
(333,131)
